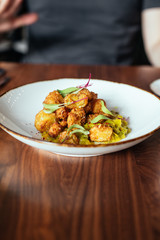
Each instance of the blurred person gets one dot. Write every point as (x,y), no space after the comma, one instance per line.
(87,32)
(10,20)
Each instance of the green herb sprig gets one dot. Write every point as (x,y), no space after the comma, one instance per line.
(98,118)
(67,91)
(79,129)
(50,108)
(104,109)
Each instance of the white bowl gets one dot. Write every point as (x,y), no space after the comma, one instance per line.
(19,106)
(155,86)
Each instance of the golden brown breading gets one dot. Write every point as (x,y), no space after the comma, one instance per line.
(100,133)
(88,108)
(76,97)
(44,120)
(53,98)
(97,106)
(62,113)
(63,123)
(73,139)
(90,95)
(76,116)
(54,129)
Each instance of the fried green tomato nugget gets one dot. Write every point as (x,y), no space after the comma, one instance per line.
(76,116)
(53,98)
(97,106)
(64,137)
(88,108)
(62,113)
(43,121)
(54,130)
(100,133)
(90,95)
(76,98)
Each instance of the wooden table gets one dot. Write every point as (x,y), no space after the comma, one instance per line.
(52,197)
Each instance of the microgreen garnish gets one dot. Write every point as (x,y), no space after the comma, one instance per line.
(98,118)
(104,109)
(79,129)
(75,126)
(67,91)
(85,132)
(87,84)
(50,108)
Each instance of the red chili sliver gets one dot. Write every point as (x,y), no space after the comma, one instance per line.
(77,100)
(87,84)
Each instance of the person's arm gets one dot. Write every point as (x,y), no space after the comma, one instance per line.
(8,18)
(151,34)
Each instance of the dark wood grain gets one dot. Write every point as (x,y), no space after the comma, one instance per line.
(52,197)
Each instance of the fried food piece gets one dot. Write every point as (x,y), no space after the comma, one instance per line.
(88,107)
(66,138)
(62,113)
(53,98)
(76,116)
(44,120)
(91,117)
(90,95)
(100,133)
(97,106)
(54,129)
(63,123)
(76,97)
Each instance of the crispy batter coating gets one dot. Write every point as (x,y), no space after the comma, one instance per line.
(55,129)
(100,133)
(88,107)
(97,106)
(76,97)
(44,120)
(63,123)
(76,116)
(90,95)
(73,139)
(53,98)
(62,113)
